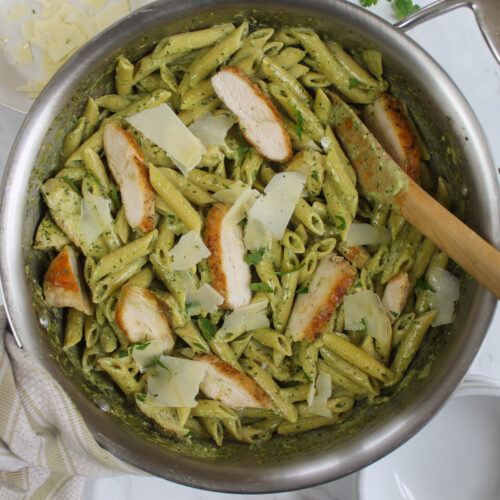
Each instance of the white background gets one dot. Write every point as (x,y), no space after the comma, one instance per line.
(457,45)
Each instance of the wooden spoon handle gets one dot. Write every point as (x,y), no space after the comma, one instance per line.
(480,259)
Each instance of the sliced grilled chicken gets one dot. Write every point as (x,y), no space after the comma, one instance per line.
(63,285)
(141,317)
(312,311)
(395,295)
(230,273)
(259,119)
(386,120)
(355,254)
(226,384)
(126,163)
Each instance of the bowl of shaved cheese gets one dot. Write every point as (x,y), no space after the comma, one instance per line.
(193,257)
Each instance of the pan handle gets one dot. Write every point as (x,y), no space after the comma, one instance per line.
(487,14)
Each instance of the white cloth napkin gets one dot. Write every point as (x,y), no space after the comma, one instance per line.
(46,450)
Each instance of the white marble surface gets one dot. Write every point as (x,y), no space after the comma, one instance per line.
(456,43)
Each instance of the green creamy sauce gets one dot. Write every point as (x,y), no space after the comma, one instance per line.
(383,184)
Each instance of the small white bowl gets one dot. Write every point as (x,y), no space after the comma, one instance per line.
(456,456)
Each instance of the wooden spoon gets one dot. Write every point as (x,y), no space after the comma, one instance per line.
(383,180)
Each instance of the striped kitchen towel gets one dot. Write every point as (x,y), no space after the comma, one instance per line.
(46,450)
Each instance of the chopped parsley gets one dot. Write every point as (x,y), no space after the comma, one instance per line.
(189,434)
(141,397)
(65,271)
(302,290)
(424,286)
(71,184)
(242,223)
(299,124)
(94,177)
(314,175)
(342,224)
(364,330)
(368,3)
(199,346)
(255,257)
(123,354)
(260,287)
(394,313)
(243,150)
(207,329)
(114,196)
(353,83)
(281,273)
(157,362)
(308,378)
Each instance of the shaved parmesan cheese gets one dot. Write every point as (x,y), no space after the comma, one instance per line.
(245,318)
(188,251)
(275,208)
(178,383)
(95,4)
(203,299)
(447,291)
(242,206)
(111,14)
(256,235)
(162,126)
(18,12)
(95,217)
(143,356)
(319,402)
(23,53)
(212,130)
(366,234)
(232,194)
(326,143)
(363,311)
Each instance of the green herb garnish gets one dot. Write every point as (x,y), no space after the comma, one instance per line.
(141,397)
(123,354)
(353,83)
(71,184)
(65,271)
(243,150)
(255,257)
(299,124)
(342,222)
(207,329)
(302,290)
(242,223)
(157,362)
(368,3)
(394,313)
(260,287)
(281,273)
(89,172)
(308,378)
(114,196)
(404,8)
(189,434)
(424,286)
(365,326)
(314,175)
(199,346)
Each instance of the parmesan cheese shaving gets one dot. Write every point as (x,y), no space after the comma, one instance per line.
(95,217)
(18,12)
(275,208)
(364,312)
(144,355)
(177,384)
(319,402)
(188,251)
(245,318)
(446,292)
(241,206)
(203,299)
(365,234)
(256,235)
(23,53)
(212,130)
(162,126)
(111,14)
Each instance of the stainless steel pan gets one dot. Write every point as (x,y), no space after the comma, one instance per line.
(283,463)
